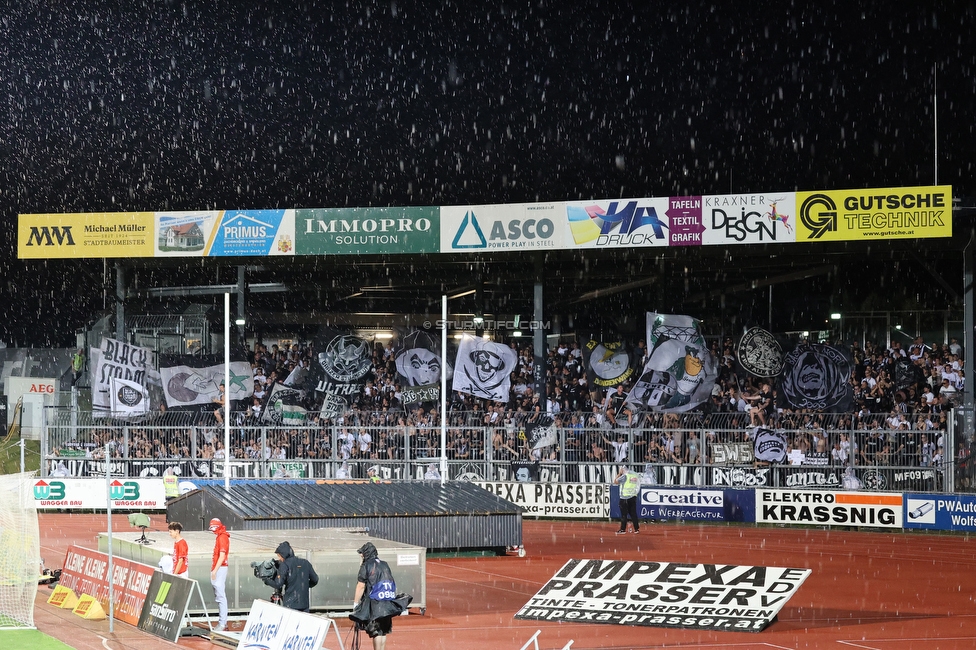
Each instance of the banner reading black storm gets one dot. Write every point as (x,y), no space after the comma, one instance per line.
(665,594)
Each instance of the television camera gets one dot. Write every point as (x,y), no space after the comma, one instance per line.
(265,571)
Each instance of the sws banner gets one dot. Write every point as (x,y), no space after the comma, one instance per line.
(721,597)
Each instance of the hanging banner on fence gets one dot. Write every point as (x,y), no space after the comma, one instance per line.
(483,369)
(680,369)
(419,363)
(807,478)
(117,360)
(86,572)
(557,500)
(88,494)
(168,597)
(665,594)
(194,381)
(65,466)
(768,445)
(741,476)
(732,453)
(816,508)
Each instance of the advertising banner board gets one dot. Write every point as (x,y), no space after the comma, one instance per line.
(665,594)
(86,572)
(554,500)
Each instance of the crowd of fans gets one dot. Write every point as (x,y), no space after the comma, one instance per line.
(896,420)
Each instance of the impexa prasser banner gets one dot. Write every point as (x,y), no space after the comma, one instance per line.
(665,594)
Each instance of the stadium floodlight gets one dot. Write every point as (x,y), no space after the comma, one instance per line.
(240,320)
(835,315)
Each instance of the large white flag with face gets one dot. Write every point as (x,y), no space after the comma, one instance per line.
(483,369)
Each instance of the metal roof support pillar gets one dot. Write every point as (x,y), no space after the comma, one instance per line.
(539,333)
(119,301)
(970,380)
(241,284)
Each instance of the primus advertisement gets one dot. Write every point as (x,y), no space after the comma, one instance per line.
(555,499)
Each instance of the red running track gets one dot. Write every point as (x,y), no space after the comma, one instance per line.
(868,589)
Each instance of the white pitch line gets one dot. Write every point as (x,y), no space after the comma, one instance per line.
(867,647)
(494,575)
(104,642)
(511,591)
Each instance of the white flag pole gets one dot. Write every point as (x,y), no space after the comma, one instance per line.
(443,388)
(226,391)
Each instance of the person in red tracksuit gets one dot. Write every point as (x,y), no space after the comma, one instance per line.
(218,571)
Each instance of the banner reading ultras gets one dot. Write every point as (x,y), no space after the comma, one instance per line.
(665,594)
(889,213)
(75,236)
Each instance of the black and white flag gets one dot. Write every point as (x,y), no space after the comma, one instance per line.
(129,399)
(284,406)
(345,363)
(680,369)
(768,445)
(419,364)
(483,369)
(116,360)
(759,353)
(193,381)
(817,376)
(541,433)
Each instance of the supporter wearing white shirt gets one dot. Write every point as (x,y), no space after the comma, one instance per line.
(364,441)
(950,374)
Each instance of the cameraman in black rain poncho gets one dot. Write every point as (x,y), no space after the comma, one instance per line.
(376,601)
(295,576)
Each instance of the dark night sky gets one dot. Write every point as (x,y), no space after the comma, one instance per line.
(125,106)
